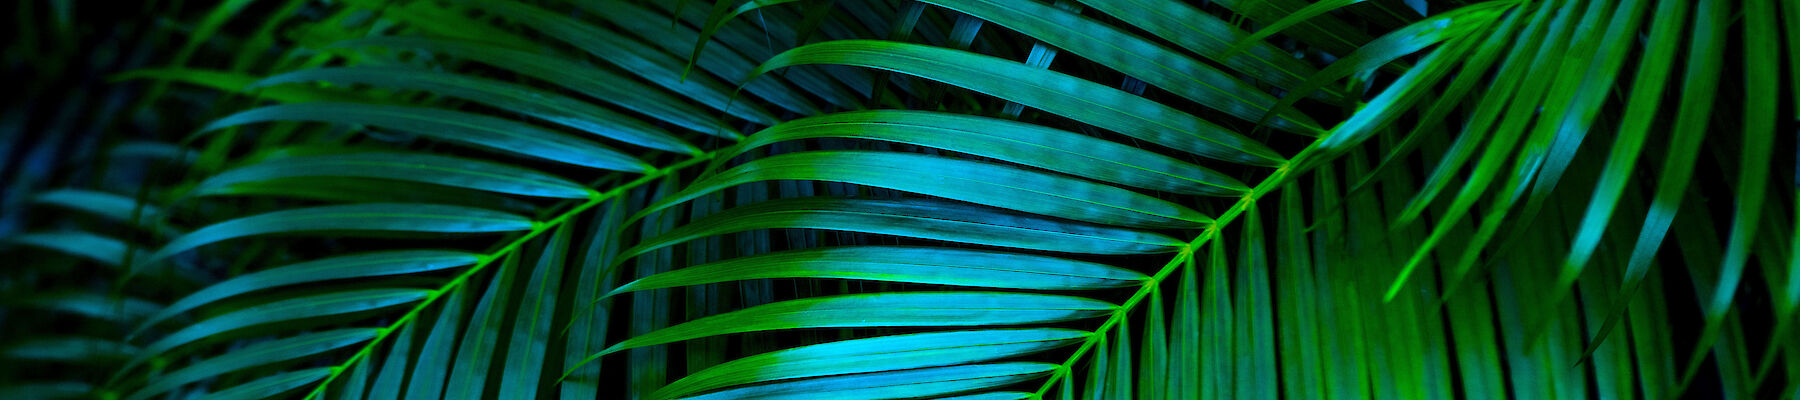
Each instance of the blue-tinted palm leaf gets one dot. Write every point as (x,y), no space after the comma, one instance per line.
(972,181)
(933,265)
(1028,144)
(1058,93)
(885,353)
(472,129)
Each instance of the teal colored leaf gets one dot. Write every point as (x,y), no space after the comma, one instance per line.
(1461,23)
(1028,144)
(880,310)
(1216,324)
(590,316)
(1054,92)
(365,190)
(730,64)
(352,217)
(991,396)
(1153,358)
(885,353)
(1253,351)
(104,250)
(932,265)
(1473,72)
(110,206)
(902,384)
(301,346)
(1497,151)
(972,181)
(473,129)
(92,305)
(482,336)
(531,335)
(1638,118)
(1184,339)
(394,367)
(928,219)
(341,267)
(80,350)
(416,167)
(538,103)
(1211,37)
(1132,55)
(646,62)
(428,375)
(1119,50)
(294,309)
(1399,96)
(596,83)
(271,386)
(1511,79)
(356,385)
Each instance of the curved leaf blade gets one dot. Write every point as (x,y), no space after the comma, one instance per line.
(68,349)
(1058,93)
(104,250)
(111,206)
(928,219)
(93,305)
(468,376)
(296,347)
(342,267)
(1211,37)
(299,308)
(897,309)
(992,396)
(902,384)
(531,335)
(271,386)
(1461,23)
(885,353)
(972,181)
(472,129)
(1028,144)
(930,265)
(513,97)
(1136,57)
(416,167)
(597,83)
(638,59)
(398,217)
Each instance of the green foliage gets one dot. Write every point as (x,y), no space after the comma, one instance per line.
(959,199)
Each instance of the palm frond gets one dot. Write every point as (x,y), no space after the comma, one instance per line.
(975,199)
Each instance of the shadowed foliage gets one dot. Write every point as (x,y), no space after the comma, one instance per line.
(898,199)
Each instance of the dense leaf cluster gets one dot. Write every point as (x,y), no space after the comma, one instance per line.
(847,199)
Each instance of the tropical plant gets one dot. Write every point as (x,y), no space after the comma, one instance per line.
(970,199)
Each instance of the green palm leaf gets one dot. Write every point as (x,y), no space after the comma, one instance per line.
(568,206)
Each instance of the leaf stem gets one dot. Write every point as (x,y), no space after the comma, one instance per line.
(537,228)
(1275,181)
